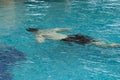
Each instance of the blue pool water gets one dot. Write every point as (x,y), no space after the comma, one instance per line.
(55,60)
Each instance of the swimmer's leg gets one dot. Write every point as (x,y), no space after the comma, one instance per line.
(103,44)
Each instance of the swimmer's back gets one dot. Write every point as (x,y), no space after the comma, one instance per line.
(51,34)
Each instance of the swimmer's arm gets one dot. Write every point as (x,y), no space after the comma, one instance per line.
(61,29)
(40,38)
(103,44)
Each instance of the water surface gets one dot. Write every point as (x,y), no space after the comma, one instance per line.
(55,60)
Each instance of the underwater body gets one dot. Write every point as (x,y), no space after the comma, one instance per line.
(26,59)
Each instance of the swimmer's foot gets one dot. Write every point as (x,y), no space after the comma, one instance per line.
(115,45)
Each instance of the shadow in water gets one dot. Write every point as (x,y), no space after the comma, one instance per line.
(8,57)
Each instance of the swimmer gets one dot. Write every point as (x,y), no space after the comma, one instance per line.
(54,34)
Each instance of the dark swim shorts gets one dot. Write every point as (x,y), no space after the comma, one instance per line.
(79,39)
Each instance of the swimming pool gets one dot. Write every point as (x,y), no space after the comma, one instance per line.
(55,60)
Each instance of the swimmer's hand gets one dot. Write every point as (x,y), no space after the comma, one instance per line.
(62,29)
(40,39)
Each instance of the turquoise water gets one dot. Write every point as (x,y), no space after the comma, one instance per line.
(55,60)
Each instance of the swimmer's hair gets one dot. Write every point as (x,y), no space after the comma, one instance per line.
(32,29)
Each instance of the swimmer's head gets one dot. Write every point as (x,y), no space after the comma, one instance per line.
(32,29)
